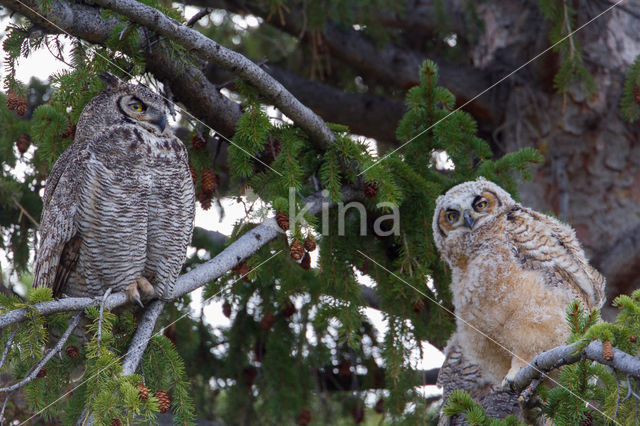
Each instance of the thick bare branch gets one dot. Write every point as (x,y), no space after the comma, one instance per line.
(563,355)
(228,59)
(141,337)
(188,83)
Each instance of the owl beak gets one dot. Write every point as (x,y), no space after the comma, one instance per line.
(468,220)
(158,119)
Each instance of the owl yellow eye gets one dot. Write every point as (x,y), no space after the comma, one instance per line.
(481,205)
(137,107)
(451,216)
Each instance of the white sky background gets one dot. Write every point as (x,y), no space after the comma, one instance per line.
(42,64)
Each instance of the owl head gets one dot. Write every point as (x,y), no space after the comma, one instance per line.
(466,208)
(121,103)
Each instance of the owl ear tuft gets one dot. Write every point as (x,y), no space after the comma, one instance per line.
(109,79)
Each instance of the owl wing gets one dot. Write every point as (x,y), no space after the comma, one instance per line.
(542,243)
(59,240)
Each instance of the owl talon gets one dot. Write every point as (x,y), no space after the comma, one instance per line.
(145,288)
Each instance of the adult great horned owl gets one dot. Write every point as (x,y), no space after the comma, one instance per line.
(119,204)
(514,271)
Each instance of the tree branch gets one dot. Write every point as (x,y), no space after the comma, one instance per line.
(228,59)
(141,337)
(242,248)
(563,355)
(188,83)
(365,114)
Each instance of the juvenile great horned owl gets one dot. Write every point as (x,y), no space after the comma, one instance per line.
(514,271)
(119,205)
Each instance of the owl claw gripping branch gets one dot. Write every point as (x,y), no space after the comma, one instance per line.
(118,207)
(514,272)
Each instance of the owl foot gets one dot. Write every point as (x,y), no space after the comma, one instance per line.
(516,365)
(140,287)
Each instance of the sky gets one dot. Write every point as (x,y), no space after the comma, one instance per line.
(42,64)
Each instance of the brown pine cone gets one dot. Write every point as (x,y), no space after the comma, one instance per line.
(370,189)
(296,251)
(42,372)
(13,100)
(636,94)
(21,109)
(209,180)
(116,422)
(242,270)
(633,339)
(288,310)
(607,351)
(198,143)
(267,321)
(226,309)
(23,143)
(283,220)
(379,407)
(164,402)
(194,174)
(143,391)
(69,132)
(305,263)
(205,200)
(588,419)
(309,244)
(72,351)
(304,418)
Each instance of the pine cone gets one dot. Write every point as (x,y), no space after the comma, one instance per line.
(69,132)
(226,309)
(309,244)
(205,200)
(267,321)
(370,189)
(242,270)
(198,143)
(633,339)
(288,310)
(379,407)
(42,372)
(209,180)
(164,402)
(143,391)
(194,174)
(23,143)
(636,94)
(607,351)
(13,100)
(357,413)
(304,418)
(116,422)
(296,250)
(588,419)
(21,109)
(305,263)
(283,221)
(72,351)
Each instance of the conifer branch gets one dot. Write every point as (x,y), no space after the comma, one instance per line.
(563,355)
(57,348)
(242,248)
(228,59)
